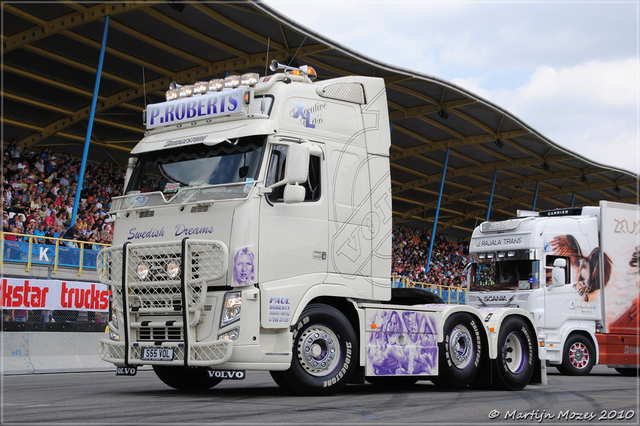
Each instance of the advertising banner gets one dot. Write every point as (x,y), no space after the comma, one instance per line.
(20,293)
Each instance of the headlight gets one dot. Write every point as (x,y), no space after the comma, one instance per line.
(173,268)
(113,335)
(231,308)
(230,335)
(142,271)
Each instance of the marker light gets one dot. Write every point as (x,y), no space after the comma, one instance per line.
(200,87)
(232,81)
(216,85)
(172,94)
(249,79)
(185,91)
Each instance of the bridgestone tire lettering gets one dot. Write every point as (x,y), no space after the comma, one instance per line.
(324,356)
(517,353)
(186,379)
(460,351)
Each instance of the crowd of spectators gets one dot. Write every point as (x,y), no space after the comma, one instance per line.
(411,252)
(38,192)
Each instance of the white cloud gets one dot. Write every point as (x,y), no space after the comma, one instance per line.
(568,69)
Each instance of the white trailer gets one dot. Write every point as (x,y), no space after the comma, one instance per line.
(255,234)
(576,271)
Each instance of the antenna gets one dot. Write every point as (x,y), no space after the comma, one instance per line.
(266,61)
(294,56)
(144,88)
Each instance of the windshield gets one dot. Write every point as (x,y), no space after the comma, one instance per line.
(505,275)
(171,170)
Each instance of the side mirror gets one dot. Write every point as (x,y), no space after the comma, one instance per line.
(558,273)
(294,194)
(297,167)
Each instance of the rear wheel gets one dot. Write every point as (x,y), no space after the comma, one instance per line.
(460,352)
(187,379)
(516,354)
(325,353)
(578,356)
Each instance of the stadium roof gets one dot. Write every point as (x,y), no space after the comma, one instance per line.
(50,58)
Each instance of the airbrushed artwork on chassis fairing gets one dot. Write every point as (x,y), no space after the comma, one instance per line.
(401,342)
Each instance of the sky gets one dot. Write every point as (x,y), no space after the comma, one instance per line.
(568,69)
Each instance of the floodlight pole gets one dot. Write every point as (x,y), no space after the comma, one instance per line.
(573,197)
(535,197)
(435,222)
(493,187)
(90,127)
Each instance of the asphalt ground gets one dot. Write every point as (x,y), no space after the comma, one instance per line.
(602,397)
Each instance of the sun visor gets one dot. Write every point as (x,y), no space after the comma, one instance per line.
(208,135)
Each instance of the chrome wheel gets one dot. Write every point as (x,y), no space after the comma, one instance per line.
(318,350)
(461,347)
(579,355)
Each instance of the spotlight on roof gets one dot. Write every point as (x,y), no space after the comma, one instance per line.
(499,143)
(443,114)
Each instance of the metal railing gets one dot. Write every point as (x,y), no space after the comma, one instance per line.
(450,294)
(29,250)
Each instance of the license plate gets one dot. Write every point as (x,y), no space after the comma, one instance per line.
(157,354)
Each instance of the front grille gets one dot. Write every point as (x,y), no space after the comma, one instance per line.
(160,334)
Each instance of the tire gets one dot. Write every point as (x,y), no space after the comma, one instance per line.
(186,379)
(628,371)
(325,353)
(516,354)
(459,352)
(578,356)
(392,381)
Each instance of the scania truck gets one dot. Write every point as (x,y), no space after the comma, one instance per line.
(576,271)
(254,233)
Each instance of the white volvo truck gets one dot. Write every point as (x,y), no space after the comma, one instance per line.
(255,234)
(576,271)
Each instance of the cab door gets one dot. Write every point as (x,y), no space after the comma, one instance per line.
(293,237)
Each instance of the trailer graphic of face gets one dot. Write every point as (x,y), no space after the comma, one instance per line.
(404,343)
(585,270)
(243,267)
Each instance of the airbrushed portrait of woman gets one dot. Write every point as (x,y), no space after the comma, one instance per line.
(243,267)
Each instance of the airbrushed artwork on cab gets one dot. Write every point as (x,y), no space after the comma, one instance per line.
(585,269)
(244,266)
(402,342)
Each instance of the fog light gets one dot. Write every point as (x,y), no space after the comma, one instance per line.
(173,269)
(142,271)
(230,335)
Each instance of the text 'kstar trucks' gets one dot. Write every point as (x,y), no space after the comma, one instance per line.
(255,234)
(576,271)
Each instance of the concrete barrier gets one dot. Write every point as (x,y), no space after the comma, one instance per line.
(50,352)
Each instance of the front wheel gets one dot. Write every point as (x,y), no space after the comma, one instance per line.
(325,353)
(516,354)
(578,356)
(183,378)
(460,352)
